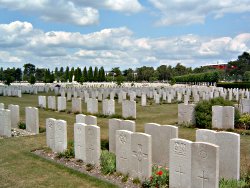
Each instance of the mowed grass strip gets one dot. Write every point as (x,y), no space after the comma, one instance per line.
(18,168)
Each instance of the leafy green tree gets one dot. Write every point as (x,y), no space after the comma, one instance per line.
(84,75)
(246,76)
(144,73)
(1,74)
(9,76)
(101,75)
(96,74)
(40,74)
(181,70)
(29,69)
(18,74)
(129,74)
(90,74)
(71,73)
(66,74)
(238,67)
(116,71)
(32,79)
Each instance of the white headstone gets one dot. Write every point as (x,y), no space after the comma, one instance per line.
(5,123)
(180,163)
(79,141)
(93,142)
(80,118)
(161,136)
(76,105)
(15,115)
(108,107)
(205,165)
(60,136)
(128,109)
(123,145)
(61,103)
(141,156)
(32,119)
(50,132)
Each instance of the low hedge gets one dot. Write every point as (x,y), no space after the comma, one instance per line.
(240,85)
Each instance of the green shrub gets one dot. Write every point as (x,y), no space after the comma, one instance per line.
(69,152)
(233,184)
(21,125)
(245,120)
(107,162)
(159,178)
(203,112)
(240,85)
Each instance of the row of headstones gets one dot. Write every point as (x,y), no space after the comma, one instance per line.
(108,105)
(11,92)
(10,118)
(222,116)
(136,152)
(168,92)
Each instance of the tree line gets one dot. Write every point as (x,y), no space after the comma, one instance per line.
(234,70)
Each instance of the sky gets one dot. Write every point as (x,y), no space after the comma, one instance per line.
(122,33)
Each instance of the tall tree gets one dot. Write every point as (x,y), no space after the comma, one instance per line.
(66,74)
(40,74)
(101,75)
(29,69)
(90,74)
(84,75)
(96,74)
(18,74)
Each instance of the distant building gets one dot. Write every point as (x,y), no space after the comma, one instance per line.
(220,66)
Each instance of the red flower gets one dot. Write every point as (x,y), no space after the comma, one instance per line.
(159,173)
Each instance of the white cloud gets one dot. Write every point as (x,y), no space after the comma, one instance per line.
(126,6)
(22,43)
(75,12)
(181,12)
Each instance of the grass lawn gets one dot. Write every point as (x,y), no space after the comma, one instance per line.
(20,168)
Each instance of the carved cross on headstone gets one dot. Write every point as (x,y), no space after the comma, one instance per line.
(139,156)
(203,178)
(179,171)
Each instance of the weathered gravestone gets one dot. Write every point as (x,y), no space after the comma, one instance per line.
(117,124)
(229,143)
(108,107)
(223,117)
(80,118)
(79,141)
(50,133)
(186,114)
(61,103)
(180,163)
(92,106)
(128,109)
(123,148)
(52,102)
(15,115)
(141,156)
(32,119)
(76,105)
(143,99)
(93,142)
(5,123)
(42,101)
(60,136)
(161,136)
(91,120)
(1,106)
(205,165)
